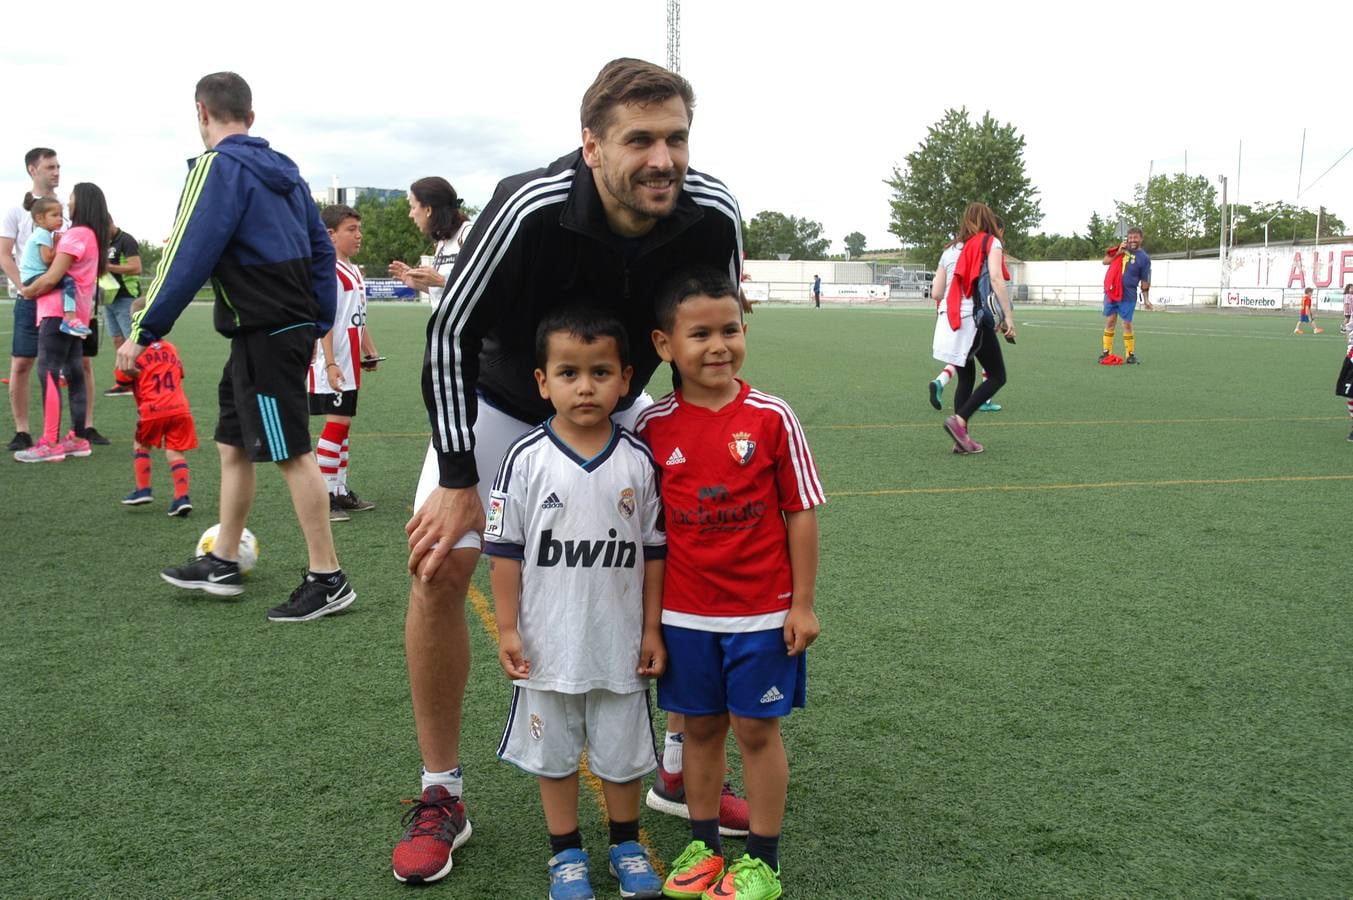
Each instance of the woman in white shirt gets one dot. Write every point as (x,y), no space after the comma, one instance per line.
(436,209)
(959,340)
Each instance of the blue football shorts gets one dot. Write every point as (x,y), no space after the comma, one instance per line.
(749,674)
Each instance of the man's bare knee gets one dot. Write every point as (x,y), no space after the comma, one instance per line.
(451,583)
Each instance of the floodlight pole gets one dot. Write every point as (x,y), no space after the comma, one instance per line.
(1221,250)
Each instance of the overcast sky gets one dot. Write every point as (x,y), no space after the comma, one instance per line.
(803,108)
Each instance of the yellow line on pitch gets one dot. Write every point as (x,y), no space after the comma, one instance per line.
(1026,488)
(484,610)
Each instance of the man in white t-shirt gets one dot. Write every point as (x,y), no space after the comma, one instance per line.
(15,230)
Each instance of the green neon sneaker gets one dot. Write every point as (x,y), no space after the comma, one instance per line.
(990,407)
(747,878)
(695,870)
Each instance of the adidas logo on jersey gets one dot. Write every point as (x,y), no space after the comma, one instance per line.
(676,458)
(552,502)
(772,695)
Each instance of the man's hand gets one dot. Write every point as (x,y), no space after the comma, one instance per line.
(127,352)
(445,517)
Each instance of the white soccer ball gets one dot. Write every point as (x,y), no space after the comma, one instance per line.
(248,546)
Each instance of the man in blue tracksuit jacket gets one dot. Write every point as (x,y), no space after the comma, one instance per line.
(246,221)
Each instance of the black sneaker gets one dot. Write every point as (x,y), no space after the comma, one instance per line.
(1103,354)
(207,573)
(336,512)
(1131,360)
(92,435)
(119,390)
(315,598)
(22,441)
(1350,436)
(350,501)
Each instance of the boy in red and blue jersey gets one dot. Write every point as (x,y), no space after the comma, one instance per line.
(739,492)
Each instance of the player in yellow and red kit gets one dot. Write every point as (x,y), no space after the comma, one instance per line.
(164,419)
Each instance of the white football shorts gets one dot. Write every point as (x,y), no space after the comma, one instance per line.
(547,733)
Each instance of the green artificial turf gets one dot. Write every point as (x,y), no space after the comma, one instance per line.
(1107,657)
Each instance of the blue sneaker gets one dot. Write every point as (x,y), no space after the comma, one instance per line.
(181,506)
(138,497)
(936,394)
(568,876)
(990,407)
(630,865)
(75,329)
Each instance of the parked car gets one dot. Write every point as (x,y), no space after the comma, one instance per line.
(908,282)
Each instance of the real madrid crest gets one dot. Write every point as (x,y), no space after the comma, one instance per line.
(742,446)
(537,726)
(626,504)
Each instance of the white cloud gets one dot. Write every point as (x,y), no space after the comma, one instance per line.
(801,107)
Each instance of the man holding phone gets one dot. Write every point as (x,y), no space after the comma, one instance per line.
(1129,270)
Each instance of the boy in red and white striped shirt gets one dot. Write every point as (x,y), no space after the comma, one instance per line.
(340,357)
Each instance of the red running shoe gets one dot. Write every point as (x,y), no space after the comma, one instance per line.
(435,827)
(668,795)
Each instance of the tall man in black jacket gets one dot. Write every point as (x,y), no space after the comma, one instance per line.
(602,226)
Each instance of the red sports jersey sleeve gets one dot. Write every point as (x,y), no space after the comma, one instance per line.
(159,386)
(729,476)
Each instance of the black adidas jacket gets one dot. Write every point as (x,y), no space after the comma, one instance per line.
(540,244)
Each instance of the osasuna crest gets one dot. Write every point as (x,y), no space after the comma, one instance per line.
(742,447)
(626,504)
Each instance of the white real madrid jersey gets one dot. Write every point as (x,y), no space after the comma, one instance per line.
(582,529)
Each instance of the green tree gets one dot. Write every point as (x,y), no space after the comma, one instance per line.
(854,244)
(150,257)
(388,234)
(1285,223)
(1100,234)
(1175,212)
(772,233)
(960,162)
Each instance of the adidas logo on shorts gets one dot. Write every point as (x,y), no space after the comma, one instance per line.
(676,458)
(772,695)
(552,502)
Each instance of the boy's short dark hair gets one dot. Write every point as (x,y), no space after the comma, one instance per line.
(42,204)
(226,96)
(696,281)
(333,216)
(587,325)
(631,81)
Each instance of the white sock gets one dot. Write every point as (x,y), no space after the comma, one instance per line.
(450,779)
(944,376)
(671,751)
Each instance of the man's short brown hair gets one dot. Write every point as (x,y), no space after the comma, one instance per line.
(631,81)
(226,96)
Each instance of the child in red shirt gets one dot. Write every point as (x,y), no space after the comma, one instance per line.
(164,419)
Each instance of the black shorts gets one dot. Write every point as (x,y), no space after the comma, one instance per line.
(341,404)
(90,346)
(263,396)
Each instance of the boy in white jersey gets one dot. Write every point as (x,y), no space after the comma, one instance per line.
(575,544)
(340,356)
